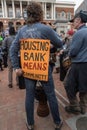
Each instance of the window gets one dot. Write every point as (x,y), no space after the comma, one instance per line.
(69,15)
(10,12)
(63,15)
(18,15)
(57,15)
(48,10)
(1,12)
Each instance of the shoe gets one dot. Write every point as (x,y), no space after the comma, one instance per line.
(72,109)
(10,85)
(58,126)
(30,127)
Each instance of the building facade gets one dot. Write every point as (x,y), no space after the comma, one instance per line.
(11,13)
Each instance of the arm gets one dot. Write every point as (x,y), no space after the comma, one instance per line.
(54,38)
(76,44)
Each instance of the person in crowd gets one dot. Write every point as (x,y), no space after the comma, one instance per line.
(64,54)
(1,59)
(1,39)
(4,57)
(6,34)
(36,30)
(76,81)
(6,46)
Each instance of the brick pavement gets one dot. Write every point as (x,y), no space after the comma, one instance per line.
(12,108)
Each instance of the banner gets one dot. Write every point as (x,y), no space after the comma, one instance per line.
(35,58)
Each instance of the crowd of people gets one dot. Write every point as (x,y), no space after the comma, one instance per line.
(5,62)
(73,46)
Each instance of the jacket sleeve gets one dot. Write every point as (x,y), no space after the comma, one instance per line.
(76,44)
(54,38)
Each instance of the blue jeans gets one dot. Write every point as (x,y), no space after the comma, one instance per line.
(51,97)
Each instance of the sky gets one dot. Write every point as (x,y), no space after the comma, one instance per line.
(78,2)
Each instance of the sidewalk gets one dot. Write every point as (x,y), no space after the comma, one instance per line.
(12,108)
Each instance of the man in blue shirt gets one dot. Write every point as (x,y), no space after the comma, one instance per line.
(77,75)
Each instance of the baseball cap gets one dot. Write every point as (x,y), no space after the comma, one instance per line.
(82,14)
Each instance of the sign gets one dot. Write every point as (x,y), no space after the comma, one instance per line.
(35,58)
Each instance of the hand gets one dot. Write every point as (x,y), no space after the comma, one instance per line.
(51,46)
(19,72)
(60,52)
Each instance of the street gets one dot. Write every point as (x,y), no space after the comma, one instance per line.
(12,107)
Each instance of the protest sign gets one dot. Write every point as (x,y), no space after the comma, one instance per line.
(35,58)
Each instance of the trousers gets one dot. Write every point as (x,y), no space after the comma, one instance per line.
(51,97)
(10,72)
(76,82)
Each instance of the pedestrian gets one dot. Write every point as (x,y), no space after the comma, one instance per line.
(5,58)
(34,29)
(6,46)
(76,82)
(1,59)
(64,56)
(65,61)
(1,39)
